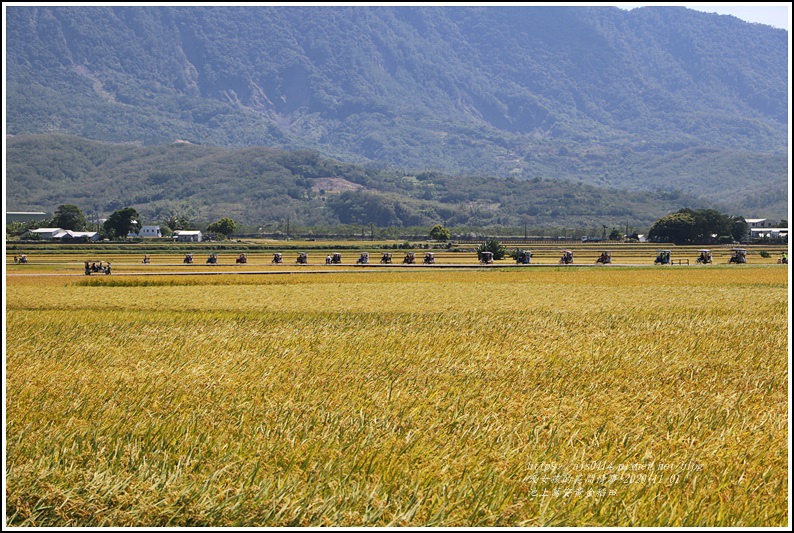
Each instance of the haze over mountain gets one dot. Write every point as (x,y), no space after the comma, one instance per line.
(650,99)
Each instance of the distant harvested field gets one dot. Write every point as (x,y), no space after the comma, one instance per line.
(641,396)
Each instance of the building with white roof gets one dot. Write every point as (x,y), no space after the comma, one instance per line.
(762,228)
(147,231)
(187,236)
(59,234)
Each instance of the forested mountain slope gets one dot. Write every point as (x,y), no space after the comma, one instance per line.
(648,99)
(259,185)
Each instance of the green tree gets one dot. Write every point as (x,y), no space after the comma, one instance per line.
(439,233)
(698,227)
(740,229)
(177,222)
(677,227)
(615,235)
(225,226)
(494,246)
(121,222)
(15,229)
(709,222)
(69,217)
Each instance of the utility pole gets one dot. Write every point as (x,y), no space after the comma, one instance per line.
(371,231)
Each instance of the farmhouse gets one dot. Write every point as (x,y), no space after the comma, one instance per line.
(147,231)
(187,236)
(759,223)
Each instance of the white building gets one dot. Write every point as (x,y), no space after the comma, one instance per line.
(768,233)
(88,235)
(147,231)
(187,236)
(762,228)
(24,216)
(47,233)
(758,223)
(60,234)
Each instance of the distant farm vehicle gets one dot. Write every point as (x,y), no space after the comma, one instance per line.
(386,258)
(704,257)
(303,258)
(566,258)
(146,259)
(524,257)
(430,258)
(409,259)
(241,259)
(663,258)
(23,259)
(97,267)
(783,259)
(336,259)
(278,258)
(188,259)
(363,258)
(605,258)
(486,258)
(739,256)
(212,259)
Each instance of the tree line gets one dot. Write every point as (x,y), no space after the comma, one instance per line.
(702,226)
(685,226)
(119,225)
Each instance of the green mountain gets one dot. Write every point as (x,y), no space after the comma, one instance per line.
(650,99)
(258,185)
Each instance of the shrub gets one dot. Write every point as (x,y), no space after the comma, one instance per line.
(494,246)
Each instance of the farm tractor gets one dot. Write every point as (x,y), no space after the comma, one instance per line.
(524,257)
(188,259)
(430,258)
(567,257)
(212,259)
(739,256)
(363,258)
(303,258)
(95,267)
(704,257)
(783,259)
(386,258)
(410,258)
(486,258)
(241,259)
(663,258)
(278,258)
(336,259)
(605,258)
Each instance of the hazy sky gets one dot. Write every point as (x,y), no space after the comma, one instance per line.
(777,14)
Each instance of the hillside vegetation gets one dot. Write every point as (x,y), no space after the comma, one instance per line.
(259,185)
(648,99)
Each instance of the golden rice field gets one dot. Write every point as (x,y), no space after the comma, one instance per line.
(551,396)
